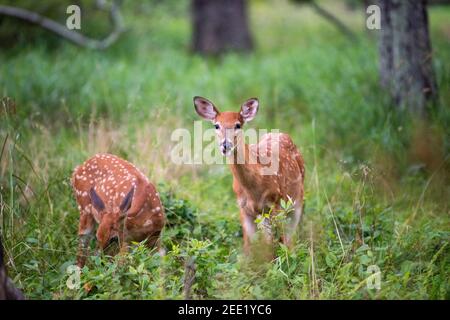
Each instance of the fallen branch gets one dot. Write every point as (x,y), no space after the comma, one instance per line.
(328,16)
(189,277)
(73,36)
(333,19)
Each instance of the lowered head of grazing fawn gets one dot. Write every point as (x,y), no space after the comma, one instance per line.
(257,189)
(114,195)
(111,216)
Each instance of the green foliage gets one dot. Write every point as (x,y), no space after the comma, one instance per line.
(181,216)
(376,182)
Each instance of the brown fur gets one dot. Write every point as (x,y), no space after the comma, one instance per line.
(112,179)
(256,192)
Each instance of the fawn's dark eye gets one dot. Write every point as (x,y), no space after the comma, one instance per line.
(237,126)
(216,126)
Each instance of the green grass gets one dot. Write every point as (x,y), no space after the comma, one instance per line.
(376,187)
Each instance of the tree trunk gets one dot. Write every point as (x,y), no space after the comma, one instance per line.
(220,25)
(405,54)
(385,44)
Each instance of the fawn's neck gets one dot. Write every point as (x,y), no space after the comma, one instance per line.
(243,169)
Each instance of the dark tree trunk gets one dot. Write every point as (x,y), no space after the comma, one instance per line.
(220,25)
(405,54)
(385,44)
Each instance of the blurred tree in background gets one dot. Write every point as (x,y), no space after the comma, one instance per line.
(405,54)
(406,67)
(220,26)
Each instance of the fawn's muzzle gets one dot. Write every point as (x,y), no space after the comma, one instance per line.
(226,146)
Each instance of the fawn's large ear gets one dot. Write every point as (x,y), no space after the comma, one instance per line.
(205,108)
(96,201)
(126,202)
(249,109)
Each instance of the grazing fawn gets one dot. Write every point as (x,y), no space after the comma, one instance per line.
(257,190)
(113,194)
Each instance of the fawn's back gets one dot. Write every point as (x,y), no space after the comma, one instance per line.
(112,178)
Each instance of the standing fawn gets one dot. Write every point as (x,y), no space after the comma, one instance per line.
(258,189)
(113,194)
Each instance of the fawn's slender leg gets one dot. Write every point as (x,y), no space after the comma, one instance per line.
(292,224)
(248,229)
(123,243)
(157,244)
(85,234)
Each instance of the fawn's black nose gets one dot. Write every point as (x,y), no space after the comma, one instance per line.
(226,146)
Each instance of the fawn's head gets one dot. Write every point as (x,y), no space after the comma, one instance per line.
(228,124)
(111,218)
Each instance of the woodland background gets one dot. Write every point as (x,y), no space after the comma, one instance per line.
(369,110)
